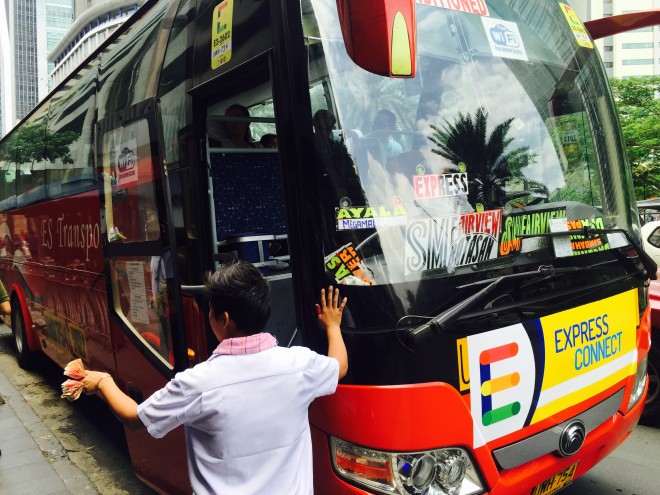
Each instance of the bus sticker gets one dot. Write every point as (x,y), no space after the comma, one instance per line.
(135,271)
(577,245)
(221,38)
(581,352)
(478,7)
(127,163)
(504,38)
(366,217)
(448,242)
(576,26)
(345,266)
(478,239)
(440,186)
(516,224)
(501,385)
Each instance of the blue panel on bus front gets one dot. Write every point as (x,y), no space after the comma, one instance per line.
(248,194)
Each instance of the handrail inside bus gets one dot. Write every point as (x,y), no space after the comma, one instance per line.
(229,118)
(218,149)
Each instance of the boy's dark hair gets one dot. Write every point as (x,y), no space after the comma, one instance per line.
(241,290)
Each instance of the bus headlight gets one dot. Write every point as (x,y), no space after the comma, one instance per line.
(448,471)
(640,383)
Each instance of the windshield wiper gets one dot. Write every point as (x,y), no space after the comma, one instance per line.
(650,266)
(440,322)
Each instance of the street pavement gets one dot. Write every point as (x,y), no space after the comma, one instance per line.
(32,460)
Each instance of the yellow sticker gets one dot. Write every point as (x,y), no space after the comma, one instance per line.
(587,350)
(221,37)
(346,262)
(463,366)
(574,22)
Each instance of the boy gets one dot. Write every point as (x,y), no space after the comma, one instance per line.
(244,409)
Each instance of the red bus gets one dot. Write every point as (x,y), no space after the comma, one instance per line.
(457,166)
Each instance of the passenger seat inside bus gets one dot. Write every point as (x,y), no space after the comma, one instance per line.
(250,220)
(249,204)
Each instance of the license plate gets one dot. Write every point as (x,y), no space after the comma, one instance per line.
(557,482)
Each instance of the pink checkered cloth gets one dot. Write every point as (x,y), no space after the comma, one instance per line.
(246,345)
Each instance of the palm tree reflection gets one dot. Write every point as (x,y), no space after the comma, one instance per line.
(490,164)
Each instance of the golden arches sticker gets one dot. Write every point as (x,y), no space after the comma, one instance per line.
(401,53)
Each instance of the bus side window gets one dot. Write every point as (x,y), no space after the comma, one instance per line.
(71,170)
(7,179)
(31,161)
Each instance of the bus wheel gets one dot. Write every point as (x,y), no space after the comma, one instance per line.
(23,353)
(652,405)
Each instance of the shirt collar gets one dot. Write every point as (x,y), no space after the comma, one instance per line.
(246,345)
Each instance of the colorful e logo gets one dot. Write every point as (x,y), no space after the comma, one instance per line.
(500,368)
(492,385)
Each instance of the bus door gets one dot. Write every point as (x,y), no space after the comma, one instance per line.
(246,193)
(143,296)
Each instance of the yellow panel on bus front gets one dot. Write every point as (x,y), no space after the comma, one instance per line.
(524,373)
(587,349)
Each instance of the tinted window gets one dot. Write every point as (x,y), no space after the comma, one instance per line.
(31,148)
(129,66)
(70,129)
(7,178)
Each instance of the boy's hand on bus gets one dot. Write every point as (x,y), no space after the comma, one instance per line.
(92,381)
(330,310)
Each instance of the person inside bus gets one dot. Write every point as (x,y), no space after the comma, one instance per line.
(5,306)
(236,132)
(383,127)
(338,176)
(244,410)
(269,140)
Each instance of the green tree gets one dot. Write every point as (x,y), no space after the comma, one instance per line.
(34,143)
(638,106)
(490,163)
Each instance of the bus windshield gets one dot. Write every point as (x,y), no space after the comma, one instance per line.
(507,129)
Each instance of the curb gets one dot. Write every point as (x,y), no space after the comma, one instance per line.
(32,460)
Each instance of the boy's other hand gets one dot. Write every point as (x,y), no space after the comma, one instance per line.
(330,310)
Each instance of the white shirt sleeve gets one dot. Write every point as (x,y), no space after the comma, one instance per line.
(321,375)
(166,409)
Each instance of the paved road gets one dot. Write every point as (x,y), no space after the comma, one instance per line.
(90,435)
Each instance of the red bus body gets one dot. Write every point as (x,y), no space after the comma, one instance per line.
(475,343)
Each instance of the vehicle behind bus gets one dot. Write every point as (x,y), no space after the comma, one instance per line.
(457,168)
(648,211)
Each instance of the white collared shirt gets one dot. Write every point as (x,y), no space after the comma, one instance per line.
(245,418)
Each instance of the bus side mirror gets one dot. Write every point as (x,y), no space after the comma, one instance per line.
(380,35)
